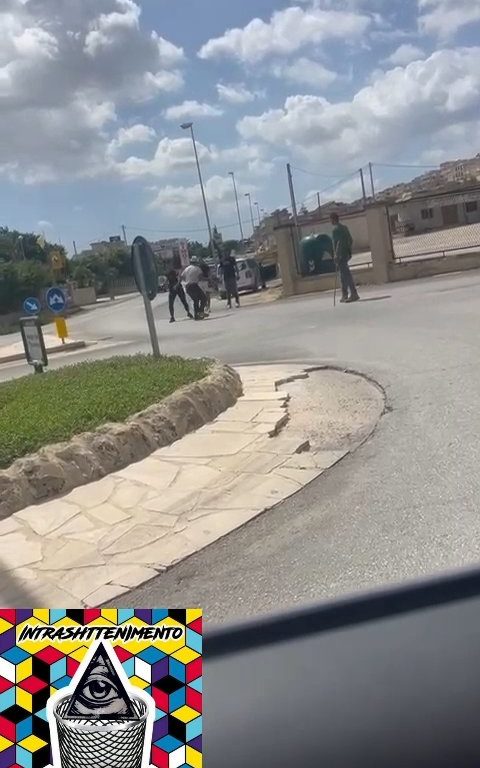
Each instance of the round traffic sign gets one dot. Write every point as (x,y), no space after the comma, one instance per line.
(31,306)
(145,266)
(56,300)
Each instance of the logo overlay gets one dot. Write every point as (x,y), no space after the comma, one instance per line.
(111,688)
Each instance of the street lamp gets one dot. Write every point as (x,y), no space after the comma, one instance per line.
(258,213)
(231,173)
(189,127)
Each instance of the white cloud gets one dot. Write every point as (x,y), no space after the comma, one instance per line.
(305,71)
(138,133)
(190,109)
(135,134)
(285,33)
(170,55)
(404,54)
(186,202)
(445,17)
(383,119)
(44,224)
(171,155)
(67,70)
(250,158)
(237,93)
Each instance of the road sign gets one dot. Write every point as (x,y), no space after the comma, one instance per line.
(33,342)
(31,306)
(144,262)
(56,300)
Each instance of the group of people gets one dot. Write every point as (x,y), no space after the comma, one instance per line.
(197,281)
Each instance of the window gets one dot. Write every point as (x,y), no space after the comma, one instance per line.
(427,213)
(471,207)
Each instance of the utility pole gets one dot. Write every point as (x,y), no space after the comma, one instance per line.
(319,202)
(189,127)
(370,166)
(75,248)
(124,230)
(258,214)
(295,216)
(251,211)
(292,196)
(362,181)
(231,173)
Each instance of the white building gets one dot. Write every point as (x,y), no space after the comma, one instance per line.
(429,212)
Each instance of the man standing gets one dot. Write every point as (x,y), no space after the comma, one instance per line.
(229,268)
(175,289)
(192,277)
(342,249)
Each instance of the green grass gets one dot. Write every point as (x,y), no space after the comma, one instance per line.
(38,410)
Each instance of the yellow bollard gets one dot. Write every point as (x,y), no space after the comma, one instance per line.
(62,330)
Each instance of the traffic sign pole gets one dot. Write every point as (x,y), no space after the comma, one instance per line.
(148,306)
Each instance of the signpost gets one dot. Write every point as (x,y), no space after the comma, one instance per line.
(146,277)
(33,342)
(31,306)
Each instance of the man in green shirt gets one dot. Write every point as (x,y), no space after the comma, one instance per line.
(342,248)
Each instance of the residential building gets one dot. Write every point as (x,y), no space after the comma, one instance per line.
(428,212)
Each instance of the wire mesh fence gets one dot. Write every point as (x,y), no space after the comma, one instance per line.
(436,226)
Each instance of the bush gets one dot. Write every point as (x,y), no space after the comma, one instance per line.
(19,280)
(40,410)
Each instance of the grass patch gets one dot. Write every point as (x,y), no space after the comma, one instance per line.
(39,410)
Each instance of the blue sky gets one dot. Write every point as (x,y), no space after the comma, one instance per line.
(91,105)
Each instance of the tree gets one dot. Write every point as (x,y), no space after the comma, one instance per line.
(83,276)
(198,249)
(232,245)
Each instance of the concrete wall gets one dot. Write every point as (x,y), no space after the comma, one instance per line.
(357,224)
(317,283)
(434,266)
(82,297)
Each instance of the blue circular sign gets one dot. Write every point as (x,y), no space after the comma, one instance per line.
(31,306)
(56,301)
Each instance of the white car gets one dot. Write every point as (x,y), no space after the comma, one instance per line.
(249,279)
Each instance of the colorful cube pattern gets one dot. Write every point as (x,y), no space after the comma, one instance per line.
(171,674)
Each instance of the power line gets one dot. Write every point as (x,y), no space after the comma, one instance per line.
(402,165)
(314,173)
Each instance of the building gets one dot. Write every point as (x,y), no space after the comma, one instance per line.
(460,171)
(114,243)
(433,211)
(173,251)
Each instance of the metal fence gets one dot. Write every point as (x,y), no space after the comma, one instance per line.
(434,226)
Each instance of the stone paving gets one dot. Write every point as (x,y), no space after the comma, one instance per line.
(114,534)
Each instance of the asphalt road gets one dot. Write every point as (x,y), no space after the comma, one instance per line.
(405,504)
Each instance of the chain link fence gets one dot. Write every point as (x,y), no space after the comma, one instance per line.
(437,225)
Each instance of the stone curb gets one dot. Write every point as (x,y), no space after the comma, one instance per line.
(67,347)
(58,469)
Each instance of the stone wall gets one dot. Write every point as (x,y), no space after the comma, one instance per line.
(57,469)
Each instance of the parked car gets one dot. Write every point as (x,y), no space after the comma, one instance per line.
(249,279)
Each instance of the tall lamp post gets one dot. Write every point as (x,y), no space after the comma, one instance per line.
(189,127)
(258,213)
(251,212)
(231,173)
